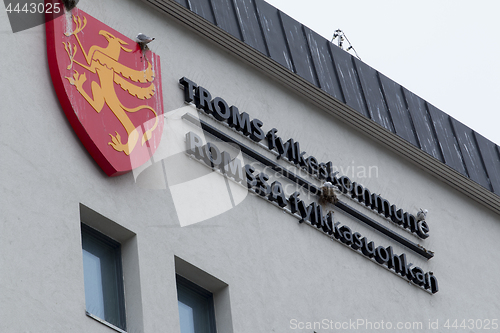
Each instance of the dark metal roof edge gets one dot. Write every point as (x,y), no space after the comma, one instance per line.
(325,101)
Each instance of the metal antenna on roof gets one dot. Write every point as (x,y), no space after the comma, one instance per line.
(340,42)
(340,35)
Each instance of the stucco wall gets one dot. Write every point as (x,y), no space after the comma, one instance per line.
(276,270)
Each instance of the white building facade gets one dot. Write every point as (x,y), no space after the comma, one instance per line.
(234,203)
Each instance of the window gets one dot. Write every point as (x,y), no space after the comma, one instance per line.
(196,307)
(104,297)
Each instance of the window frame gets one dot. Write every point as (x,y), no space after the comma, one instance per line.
(209,296)
(116,246)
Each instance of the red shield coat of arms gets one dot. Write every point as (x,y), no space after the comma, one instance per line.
(109,89)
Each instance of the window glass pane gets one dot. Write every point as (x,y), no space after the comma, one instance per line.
(103,277)
(94,298)
(186,318)
(196,311)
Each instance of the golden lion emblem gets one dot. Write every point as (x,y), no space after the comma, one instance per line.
(104,62)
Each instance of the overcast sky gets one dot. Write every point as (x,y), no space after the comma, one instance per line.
(445,51)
